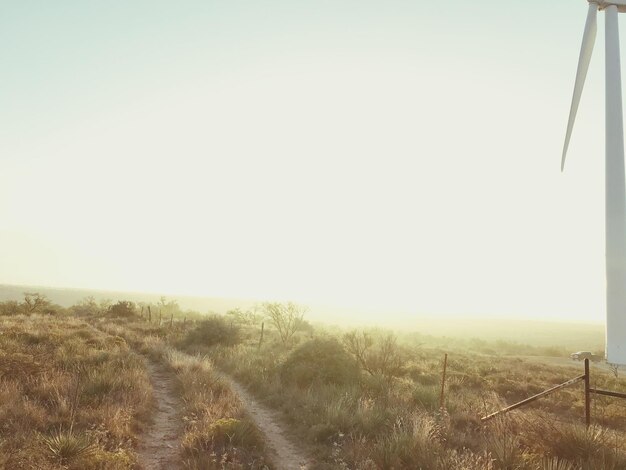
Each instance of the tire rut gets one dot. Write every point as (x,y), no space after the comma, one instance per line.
(159,447)
(285,455)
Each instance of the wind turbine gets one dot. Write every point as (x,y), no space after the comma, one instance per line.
(615,187)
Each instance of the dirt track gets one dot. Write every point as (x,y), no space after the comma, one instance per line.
(569,363)
(159,445)
(285,455)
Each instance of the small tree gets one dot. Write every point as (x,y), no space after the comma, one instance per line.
(165,307)
(285,317)
(380,356)
(86,306)
(34,302)
(248,317)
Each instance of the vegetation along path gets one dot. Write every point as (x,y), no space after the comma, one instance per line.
(159,445)
(285,455)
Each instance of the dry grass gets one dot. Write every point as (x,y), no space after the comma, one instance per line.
(365,421)
(70,397)
(218,434)
(394,422)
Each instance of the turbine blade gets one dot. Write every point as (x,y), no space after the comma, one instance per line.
(586,49)
(615,197)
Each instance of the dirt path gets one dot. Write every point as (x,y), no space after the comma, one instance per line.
(159,445)
(284,454)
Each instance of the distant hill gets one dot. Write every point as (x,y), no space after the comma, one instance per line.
(576,336)
(70,296)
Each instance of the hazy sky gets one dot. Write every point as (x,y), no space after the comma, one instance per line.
(399,154)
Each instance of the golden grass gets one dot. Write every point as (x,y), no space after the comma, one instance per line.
(368,421)
(383,423)
(217,433)
(70,397)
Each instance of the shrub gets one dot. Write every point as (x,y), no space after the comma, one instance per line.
(213,331)
(10,307)
(86,307)
(235,432)
(319,360)
(123,308)
(426,397)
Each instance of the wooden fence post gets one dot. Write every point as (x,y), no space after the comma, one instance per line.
(149,314)
(442,403)
(171,320)
(587,395)
(261,338)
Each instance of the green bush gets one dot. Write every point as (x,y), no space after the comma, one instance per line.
(215,330)
(319,360)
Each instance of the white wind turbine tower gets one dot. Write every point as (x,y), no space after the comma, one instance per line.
(615,201)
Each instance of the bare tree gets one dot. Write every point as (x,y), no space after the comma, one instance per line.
(34,302)
(285,317)
(359,345)
(377,356)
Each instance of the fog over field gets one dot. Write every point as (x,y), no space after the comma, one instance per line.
(330,235)
(528,331)
(324,153)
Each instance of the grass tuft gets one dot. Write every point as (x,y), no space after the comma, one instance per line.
(68,446)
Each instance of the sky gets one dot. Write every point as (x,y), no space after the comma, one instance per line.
(397,155)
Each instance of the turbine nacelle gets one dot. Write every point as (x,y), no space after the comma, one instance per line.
(620,4)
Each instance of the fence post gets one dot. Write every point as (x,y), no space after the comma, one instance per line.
(171,320)
(443,383)
(261,338)
(587,395)
(149,314)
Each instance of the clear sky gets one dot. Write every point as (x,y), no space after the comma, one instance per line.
(397,154)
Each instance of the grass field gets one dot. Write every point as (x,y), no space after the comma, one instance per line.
(75,393)
(386,418)
(217,432)
(70,396)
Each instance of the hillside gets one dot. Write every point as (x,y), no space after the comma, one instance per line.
(575,336)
